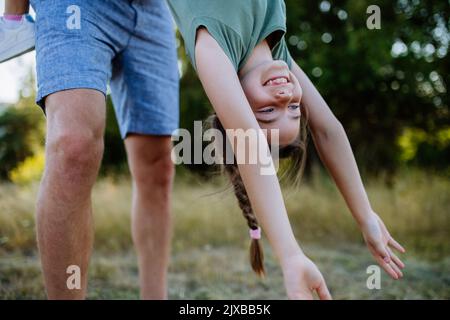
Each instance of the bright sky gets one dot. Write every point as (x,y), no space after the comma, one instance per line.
(12,73)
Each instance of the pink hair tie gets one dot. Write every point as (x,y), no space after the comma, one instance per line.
(255,234)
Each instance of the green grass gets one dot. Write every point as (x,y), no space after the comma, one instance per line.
(209,256)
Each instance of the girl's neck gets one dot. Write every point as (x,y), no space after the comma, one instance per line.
(260,54)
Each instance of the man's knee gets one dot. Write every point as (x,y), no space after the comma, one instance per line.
(150,163)
(153,172)
(75,128)
(75,153)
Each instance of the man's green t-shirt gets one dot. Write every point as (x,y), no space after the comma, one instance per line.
(237,25)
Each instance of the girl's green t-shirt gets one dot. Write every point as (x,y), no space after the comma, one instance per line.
(237,25)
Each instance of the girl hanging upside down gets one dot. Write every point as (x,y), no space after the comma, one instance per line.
(239,51)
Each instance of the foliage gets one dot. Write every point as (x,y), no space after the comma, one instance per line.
(210,243)
(21,130)
(114,157)
(388,87)
(29,170)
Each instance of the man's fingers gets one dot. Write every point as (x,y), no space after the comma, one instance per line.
(394,244)
(323,292)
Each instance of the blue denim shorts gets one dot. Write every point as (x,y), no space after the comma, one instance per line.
(129,44)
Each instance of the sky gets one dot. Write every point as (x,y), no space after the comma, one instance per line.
(12,73)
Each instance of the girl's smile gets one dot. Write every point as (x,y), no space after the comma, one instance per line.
(274,94)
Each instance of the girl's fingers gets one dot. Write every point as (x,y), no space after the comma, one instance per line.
(387,268)
(397,260)
(323,292)
(382,252)
(396,269)
(394,244)
(302,296)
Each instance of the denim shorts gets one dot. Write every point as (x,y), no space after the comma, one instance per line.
(129,44)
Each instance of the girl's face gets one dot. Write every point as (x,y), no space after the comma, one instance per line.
(274,94)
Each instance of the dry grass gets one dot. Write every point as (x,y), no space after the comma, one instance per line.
(210,242)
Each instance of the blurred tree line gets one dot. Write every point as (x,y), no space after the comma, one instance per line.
(380,83)
(387,86)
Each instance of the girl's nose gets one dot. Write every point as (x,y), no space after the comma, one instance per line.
(283,95)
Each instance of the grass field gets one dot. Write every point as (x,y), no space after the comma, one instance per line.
(209,256)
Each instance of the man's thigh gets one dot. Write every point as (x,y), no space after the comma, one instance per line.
(73,54)
(76,113)
(145,80)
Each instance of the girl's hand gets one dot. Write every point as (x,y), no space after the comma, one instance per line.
(380,244)
(302,278)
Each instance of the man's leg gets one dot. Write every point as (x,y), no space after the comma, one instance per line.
(74,147)
(152,171)
(17,7)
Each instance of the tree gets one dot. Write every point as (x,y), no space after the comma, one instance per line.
(377,82)
(21,130)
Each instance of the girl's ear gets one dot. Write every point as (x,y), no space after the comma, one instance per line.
(304,112)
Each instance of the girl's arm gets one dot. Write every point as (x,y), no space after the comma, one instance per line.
(335,152)
(223,88)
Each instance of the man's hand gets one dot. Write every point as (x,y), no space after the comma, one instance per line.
(302,278)
(380,244)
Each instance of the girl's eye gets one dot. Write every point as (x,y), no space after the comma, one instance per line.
(266,110)
(294,107)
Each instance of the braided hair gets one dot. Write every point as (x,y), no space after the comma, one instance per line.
(296,152)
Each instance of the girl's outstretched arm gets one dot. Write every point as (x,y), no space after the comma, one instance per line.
(335,152)
(224,90)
